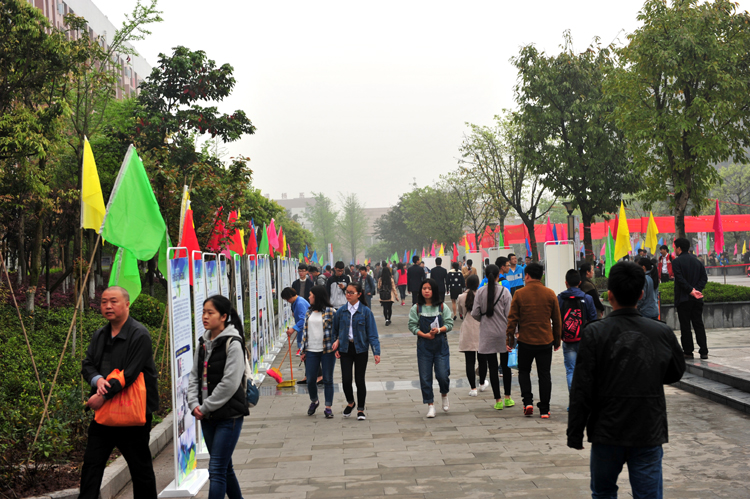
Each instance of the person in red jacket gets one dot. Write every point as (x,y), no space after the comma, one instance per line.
(665,264)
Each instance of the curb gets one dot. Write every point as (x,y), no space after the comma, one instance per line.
(117,474)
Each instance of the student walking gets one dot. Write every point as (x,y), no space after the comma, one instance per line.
(456,285)
(354,332)
(414,277)
(491,308)
(317,348)
(388,294)
(468,339)
(618,390)
(430,320)
(402,280)
(648,304)
(217,393)
(576,310)
(535,311)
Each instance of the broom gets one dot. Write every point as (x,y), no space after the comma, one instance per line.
(292,382)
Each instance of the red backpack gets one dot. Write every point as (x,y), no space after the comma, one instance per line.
(573,313)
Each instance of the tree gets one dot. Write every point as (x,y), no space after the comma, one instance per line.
(473,198)
(352,224)
(433,213)
(393,230)
(323,216)
(491,156)
(567,132)
(682,97)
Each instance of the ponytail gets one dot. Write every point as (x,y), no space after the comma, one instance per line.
(491,271)
(472,283)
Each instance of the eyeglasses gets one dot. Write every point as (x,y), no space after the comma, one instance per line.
(351,293)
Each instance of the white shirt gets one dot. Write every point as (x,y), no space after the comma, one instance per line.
(315,332)
(664,269)
(352,310)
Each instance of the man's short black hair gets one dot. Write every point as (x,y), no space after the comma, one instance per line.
(469,263)
(302,266)
(626,281)
(535,270)
(664,247)
(415,259)
(501,261)
(340,265)
(363,267)
(438,261)
(573,278)
(683,244)
(328,267)
(455,265)
(312,269)
(585,268)
(288,293)
(510,255)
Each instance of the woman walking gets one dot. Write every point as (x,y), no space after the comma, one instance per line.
(402,281)
(648,305)
(468,339)
(430,320)
(456,285)
(317,348)
(217,392)
(491,309)
(388,294)
(354,332)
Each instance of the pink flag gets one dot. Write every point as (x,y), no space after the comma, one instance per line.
(735,249)
(604,249)
(432,251)
(718,231)
(550,235)
(273,237)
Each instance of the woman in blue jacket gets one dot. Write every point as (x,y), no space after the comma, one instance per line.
(354,332)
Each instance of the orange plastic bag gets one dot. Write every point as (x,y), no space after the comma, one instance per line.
(127,408)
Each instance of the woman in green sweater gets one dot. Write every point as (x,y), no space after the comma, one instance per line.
(431,321)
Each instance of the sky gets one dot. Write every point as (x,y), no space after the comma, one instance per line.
(369,97)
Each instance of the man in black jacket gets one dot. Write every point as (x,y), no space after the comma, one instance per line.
(617,394)
(123,344)
(414,278)
(441,276)
(304,284)
(689,280)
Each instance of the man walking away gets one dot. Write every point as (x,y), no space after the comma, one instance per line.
(576,310)
(440,275)
(665,264)
(536,312)
(414,277)
(304,284)
(123,344)
(689,280)
(617,394)
(337,284)
(515,276)
(368,285)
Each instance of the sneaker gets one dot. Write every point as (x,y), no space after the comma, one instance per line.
(499,405)
(313,408)
(704,356)
(528,410)
(328,413)
(484,385)
(348,411)
(509,403)
(298,352)
(402,304)
(446,404)
(431,411)
(361,416)
(387,323)
(473,392)
(545,416)
(454,317)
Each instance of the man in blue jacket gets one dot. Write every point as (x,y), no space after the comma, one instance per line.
(515,274)
(576,310)
(299,310)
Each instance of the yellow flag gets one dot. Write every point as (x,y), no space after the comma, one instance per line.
(283,245)
(622,244)
(442,250)
(651,240)
(92,201)
(744,247)
(242,234)
(466,243)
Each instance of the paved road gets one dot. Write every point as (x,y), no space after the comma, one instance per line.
(472,451)
(739,280)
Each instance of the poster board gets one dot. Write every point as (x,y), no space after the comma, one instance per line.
(188,479)
(558,259)
(499,251)
(253,309)
(476,259)
(238,301)
(262,309)
(199,296)
(223,276)
(211,266)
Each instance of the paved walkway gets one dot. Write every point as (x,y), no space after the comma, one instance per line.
(472,451)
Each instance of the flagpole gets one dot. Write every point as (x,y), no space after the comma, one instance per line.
(65,345)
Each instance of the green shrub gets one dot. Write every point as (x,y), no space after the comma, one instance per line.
(148,311)
(714,293)
(600,283)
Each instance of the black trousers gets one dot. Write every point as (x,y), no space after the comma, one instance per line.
(543,356)
(415,297)
(132,441)
(387,309)
(358,362)
(688,312)
(471,358)
(402,291)
(665,278)
(491,360)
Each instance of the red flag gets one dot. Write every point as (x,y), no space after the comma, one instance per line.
(217,235)
(718,231)
(252,243)
(617,223)
(455,253)
(273,238)
(235,241)
(189,239)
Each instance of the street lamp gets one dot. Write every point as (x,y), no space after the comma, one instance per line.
(493,226)
(571,221)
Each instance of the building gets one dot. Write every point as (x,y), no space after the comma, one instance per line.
(133,69)
(298,209)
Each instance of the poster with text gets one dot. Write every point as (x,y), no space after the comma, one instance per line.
(223,278)
(199,294)
(252,276)
(212,274)
(262,315)
(181,323)
(238,289)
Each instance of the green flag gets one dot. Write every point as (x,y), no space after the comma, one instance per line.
(609,252)
(301,257)
(500,240)
(263,248)
(165,243)
(133,220)
(394,258)
(125,273)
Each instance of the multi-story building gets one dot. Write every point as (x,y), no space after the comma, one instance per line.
(133,69)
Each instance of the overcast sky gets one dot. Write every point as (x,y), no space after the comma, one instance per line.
(364,97)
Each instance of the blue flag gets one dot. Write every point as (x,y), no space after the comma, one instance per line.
(406,255)
(661,241)
(528,247)
(315,256)
(554,231)
(307,253)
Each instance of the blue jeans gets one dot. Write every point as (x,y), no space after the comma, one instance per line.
(570,352)
(433,353)
(300,333)
(313,360)
(644,469)
(221,438)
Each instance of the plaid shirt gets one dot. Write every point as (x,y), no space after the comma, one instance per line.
(327,329)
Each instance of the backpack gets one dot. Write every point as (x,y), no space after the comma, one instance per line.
(253,394)
(573,312)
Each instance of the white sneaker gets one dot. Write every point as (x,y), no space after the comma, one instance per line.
(446,404)
(484,385)
(473,393)
(431,411)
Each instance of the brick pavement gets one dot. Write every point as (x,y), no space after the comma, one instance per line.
(472,451)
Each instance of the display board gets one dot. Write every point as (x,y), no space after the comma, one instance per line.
(497,252)
(239,304)
(199,296)
(262,308)
(188,479)
(223,276)
(252,276)
(476,263)
(211,266)
(558,259)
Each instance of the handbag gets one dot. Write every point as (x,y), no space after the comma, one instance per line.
(513,358)
(128,407)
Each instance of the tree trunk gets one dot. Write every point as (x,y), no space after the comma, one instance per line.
(532,238)
(36,263)
(586,220)
(680,206)
(150,275)
(21,268)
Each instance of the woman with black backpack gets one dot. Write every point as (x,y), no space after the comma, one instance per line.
(456,285)
(388,294)
(217,392)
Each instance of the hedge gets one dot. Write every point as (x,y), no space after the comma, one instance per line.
(714,293)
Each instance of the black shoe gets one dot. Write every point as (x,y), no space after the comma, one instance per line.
(454,317)
(689,356)
(704,356)
(348,410)
(361,416)
(302,382)
(320,382)
(313,407)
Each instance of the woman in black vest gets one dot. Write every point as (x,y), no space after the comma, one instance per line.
(217,393)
